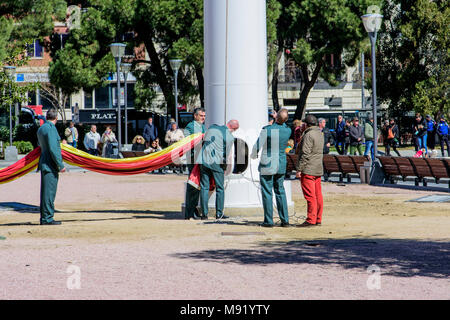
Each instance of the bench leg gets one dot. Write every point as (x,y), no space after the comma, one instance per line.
(425,183)
(416,182)
(341,177)
(349,179)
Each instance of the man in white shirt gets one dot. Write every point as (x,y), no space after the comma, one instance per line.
(91,140)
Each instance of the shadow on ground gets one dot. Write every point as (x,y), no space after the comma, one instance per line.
(396,257)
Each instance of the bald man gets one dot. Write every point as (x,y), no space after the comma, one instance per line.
(272,141)
(217,144)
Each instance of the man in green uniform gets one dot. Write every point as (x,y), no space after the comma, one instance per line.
(50,164)
(192,194)
(273,140)
(217,145)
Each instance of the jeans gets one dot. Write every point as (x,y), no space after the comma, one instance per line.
(369,146)
(422,143)
(73,144)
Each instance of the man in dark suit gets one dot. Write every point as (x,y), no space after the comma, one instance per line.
(150,131)
(217,144)
(273,140)
(50,164)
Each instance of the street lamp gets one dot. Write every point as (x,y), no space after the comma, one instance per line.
(10,72)
(372,23)
(118,50)
(126,67)
(175,65)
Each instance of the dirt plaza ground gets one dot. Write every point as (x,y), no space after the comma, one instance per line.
(124,238)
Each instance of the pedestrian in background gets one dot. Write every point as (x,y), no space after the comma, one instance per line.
(443,133)
(91,140)
(50,164)
(340,135)
(356,137)
(150,132)
(419,130)
(431,132)
(327,137)
(368,135)
(393,138)
(71,134)
(108,138)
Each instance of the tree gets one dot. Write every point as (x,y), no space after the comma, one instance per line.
(413,57)
(21,22)
(316,28)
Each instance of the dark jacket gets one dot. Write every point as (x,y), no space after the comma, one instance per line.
(419,132)
(340,130)
(355,133)
(138,147)
(327,138)
(150,132)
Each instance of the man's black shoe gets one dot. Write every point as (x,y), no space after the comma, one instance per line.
(266,225)
(222,217)
(204,217)
(285,225)
(305,225)
(53,223)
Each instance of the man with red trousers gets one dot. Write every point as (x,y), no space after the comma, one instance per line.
(310,170)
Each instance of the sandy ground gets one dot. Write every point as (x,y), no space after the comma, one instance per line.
(124,238)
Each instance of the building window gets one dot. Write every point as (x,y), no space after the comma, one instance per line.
(88,100)
(35,50)
(102,97)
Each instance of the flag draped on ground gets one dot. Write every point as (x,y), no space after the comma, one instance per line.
(126,166)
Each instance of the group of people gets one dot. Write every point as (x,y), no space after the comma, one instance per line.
(211,158)
(92,140)
(424,134)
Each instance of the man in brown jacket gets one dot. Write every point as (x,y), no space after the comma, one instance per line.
(310,170)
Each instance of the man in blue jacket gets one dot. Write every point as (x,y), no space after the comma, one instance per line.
(150,131)
(340,135)
(50,164)
(443,133)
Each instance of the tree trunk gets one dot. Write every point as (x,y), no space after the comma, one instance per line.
(275,74)
(201,85)
(308,84)
(161,77)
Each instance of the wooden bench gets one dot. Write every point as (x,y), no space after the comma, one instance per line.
(344,165)
(419,168)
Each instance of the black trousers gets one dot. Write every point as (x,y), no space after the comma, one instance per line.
(431,140)
(444,140)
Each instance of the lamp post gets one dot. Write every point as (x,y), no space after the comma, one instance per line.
(126,67)
(118,50)
(372,23)
(175,65)
(10,72)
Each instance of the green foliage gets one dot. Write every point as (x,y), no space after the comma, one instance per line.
(4,133)
(315,28)
(23,147)
(26,133)
(413,57)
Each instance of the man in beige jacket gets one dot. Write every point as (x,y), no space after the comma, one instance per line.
(310,170)
(174,134)
(71,134)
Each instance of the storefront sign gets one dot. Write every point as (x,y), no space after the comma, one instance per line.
(97,116)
